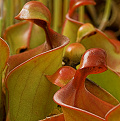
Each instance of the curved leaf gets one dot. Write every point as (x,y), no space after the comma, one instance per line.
(82,35)
(4,55)
(97,39)
(71,25)
(23,36)
(53,39)
(111,82)
(20,58)
(64,74)
(100,92)
(28,88)
(35,10)
(29,92)
(77,102)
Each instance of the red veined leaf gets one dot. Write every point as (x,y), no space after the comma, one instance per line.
(98,39)
(29,91)
(77,102)
(37,13)
(70,25)
(64,74)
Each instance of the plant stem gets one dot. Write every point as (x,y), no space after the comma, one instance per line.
(22,3)
(57,14)
(1,23)
(50,5)
(9,12)
(65,8)
(81,14)
(115,10)
(106,15)
(1,17)
(92,12)
(27,1)
(43,1)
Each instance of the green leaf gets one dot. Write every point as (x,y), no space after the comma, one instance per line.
(4,55)
(97,39)
(53,39)
(24,36)
(70,30)
(111,82)
(29,92)
(35,10)
(111,78)
(100,40)
(71,25)
(65,74)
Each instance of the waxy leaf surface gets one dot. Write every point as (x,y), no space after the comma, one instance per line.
(64,74)
(29,92)
(97,39)
(71,25)
(53,39)
(76,101)
(23,36)
(4,55)
(112,82)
